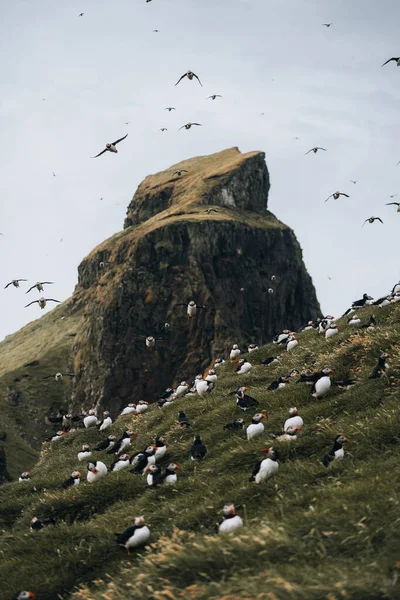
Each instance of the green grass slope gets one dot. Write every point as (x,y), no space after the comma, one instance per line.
(41,348)
(310,533)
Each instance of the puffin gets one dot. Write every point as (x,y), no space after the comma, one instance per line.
(370,325)
(107,444)
(96,471)
(202,386)
(122,462)
(290,435)
(364,301)
(189,125)
(179,172)
(75,479)
(235,425)
(294,420)
(337,195)
(381,367)
(321,387)
(396,288)
(315,150)
(39,286)
(25,476)
(38,523)
(169,108)
(354,320)
(230,520)
(372,220)
(291,342)
(134,536)
(267,468)
(256,427)
(183,420)
(142,460)
(252,347)
(271,360)
(153,475)
(141,407)
(191,308)
(170,477)
(244,401)
(14,282)
(212,376)
(306,327)
(396,60)
(58,435)
(282,338)
(106,422)
(394,204)
(332,330)
(182,389)
(84,452)
(59,377)
(234,353)
(278,384)
(161,448)
(198,450)
(213,96)
(90,420)
(150,340)
(189,75)
(384,301)
(243,367)
(25,596)
(128,410)
(42,302)
(122,443)
(218,362)
(337,451)
(167,402)
(111,147)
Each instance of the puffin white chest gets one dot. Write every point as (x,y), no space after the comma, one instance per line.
(150,479)
(160,452)
(234,353)
(171,479)
(126,442)
(268,468)
(90,421)
(229,525)
(254,430)
(141,408)
(181,389)
(201,387)
(339,454)
(354,321)
(211,378)
(83,455)
(139,538)
(191,310)
(112,148)
(121,464)
(245,368)
(293,422)
(322,386)
(106,423)
(128,410)
(291,345)
(331,332)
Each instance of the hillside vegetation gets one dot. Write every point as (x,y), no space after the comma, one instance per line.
(310,533)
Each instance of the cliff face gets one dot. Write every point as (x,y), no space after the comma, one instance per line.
(171,251)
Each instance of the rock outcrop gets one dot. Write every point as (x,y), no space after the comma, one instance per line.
(206,235)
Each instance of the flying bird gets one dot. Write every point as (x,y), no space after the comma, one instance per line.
(189,75)
(372,219)
(42,302)
(214,96)
(156,30)
(395,58)
(39,286)
(395,204)
(315,150)
(81,14)
(169,108)
(326,24)
(163,129)
(111,147)
(337,195)
(353,181)
(15,283)
(179,172)
(188,125)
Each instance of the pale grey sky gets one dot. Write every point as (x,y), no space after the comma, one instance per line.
(68,84)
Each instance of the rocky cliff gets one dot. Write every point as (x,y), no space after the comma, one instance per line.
(204,234)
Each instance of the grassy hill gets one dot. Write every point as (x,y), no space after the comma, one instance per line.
(310,533)
(40,349)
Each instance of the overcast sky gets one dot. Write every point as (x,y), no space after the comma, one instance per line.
(68,85)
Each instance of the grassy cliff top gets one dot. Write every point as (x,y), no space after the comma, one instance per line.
(311,532)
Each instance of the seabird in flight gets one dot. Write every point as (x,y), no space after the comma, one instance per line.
(190,76)
(337,195)
(315,150)
(111,147)
(188,125)
(372,219)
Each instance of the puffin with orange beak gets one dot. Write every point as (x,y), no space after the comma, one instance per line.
(337,451)
(267,468)
(256,427)
(75,479)
(25,596)
(230,520)
(322,386)
(134,536)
